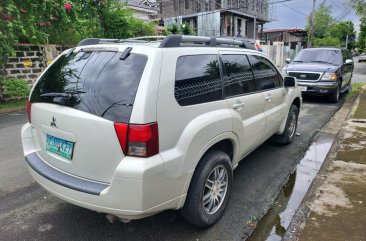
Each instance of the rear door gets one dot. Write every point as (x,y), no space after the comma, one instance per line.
(271,85)
(75,104)
(244,99)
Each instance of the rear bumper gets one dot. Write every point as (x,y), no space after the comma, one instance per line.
(318,88)
(138,189)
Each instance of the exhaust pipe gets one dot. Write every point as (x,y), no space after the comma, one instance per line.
(112,218)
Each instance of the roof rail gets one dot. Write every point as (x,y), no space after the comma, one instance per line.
(94,41)
(156,37)
(175,40)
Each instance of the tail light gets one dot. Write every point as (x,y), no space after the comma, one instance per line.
(138,140)
(29,108)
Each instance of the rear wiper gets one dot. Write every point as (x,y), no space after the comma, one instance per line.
(66,94)
(299,61)
(56,94)
(59,98)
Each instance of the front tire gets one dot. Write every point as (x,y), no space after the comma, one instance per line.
(209,190)
(334,97)
(290,129)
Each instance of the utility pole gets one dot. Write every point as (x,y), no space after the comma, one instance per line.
(311,26)
(347,42)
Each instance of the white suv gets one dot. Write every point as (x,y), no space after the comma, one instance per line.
(134,127)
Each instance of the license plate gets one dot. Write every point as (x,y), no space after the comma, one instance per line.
(303,88)
(59,146)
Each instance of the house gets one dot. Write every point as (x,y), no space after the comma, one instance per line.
(291,36)
(236,18)
(146,10)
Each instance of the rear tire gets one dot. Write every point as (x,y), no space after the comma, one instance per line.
(209,190)
(290,129)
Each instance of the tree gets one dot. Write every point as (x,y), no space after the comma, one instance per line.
(322,21)
(362,36)
(175,28)
(327,32)
(341,30)
(327,42)
(64,22)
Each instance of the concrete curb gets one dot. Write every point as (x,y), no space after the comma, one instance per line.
(10,110)
(303,212)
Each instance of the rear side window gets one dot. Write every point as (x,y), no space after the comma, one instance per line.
(238,74)
(265,74)
(99,83)
(197,80)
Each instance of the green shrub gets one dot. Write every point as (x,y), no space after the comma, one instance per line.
(15,88)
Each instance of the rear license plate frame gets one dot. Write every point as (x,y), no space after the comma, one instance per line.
(60,146)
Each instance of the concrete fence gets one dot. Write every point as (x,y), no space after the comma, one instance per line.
(279,52)
(31,60)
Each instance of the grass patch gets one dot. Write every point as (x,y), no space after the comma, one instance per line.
(13,104)
(356,87)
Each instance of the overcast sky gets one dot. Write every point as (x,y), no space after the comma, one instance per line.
(293,13)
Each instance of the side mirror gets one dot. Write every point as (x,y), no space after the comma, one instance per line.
(349,61)
(288,60)
(290,81)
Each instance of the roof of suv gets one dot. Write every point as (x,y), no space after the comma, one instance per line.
(173,40)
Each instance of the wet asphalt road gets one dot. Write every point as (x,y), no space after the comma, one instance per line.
(359,72)
(27,212)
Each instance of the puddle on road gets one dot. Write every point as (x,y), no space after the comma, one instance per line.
(273,225)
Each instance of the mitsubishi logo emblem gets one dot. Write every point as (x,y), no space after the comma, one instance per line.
(53,122)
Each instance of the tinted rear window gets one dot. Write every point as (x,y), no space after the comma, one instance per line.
(197,80)
(100,83)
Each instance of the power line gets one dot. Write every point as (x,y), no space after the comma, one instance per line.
(294,9)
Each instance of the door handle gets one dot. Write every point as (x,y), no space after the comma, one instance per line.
(268,98)
(238,105)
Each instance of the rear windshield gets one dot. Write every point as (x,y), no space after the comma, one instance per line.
(96,82)
(330,56)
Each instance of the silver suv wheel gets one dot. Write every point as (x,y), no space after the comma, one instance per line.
(215,190)
(209,190)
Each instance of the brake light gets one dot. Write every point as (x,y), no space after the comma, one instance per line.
(29,108)
(121,130)
(138,140)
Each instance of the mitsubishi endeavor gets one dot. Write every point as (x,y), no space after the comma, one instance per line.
(137,126)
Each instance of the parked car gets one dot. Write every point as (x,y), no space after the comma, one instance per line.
(362,58)
(322,71)
(135,127)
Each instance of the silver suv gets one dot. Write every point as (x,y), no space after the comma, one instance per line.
(134,127)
